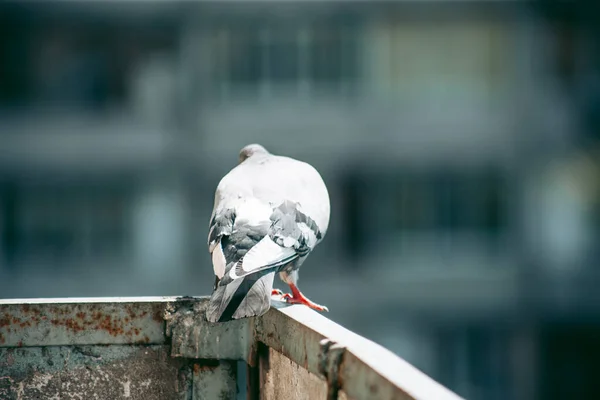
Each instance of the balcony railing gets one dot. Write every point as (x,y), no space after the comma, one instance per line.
(162,348)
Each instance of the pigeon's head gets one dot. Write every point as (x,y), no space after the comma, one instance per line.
(250,150)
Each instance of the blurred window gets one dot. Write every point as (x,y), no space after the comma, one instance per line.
(413,204)
(243,63)
(291,57)
(72,223)
(447,200)
(283,50)
(74,63)
(333,54)
(443,59)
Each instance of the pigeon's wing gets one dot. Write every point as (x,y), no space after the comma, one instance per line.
(291,235)
(249,256)
(221,225)
(245,258)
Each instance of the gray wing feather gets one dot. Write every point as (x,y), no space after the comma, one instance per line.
(286,226)
(220,224)
(285,230)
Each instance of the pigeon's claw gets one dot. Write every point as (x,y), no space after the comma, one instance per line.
(298,298)
(293,300)
(276,292)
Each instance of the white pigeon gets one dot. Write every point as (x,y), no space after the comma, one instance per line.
(269,214)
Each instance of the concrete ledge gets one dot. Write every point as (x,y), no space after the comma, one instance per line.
(192,336)
(359,367)
(82,321)
(351,365)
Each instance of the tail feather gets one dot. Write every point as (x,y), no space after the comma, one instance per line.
(244,297)
(264,255)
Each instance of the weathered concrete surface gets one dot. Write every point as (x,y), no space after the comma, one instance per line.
(192,336)
(93,372)
(281,378)
(57,322)
(215,381)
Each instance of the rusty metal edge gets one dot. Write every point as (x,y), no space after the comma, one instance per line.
(366,369)
(85,321)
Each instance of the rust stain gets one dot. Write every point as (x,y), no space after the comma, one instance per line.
(144,340)
(75,319)
(373,389)
(20,344)
(201,368)
(2,339)
(157,316)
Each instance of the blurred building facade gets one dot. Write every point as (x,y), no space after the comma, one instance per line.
(459,142)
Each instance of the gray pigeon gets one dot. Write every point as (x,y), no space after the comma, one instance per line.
(269,214)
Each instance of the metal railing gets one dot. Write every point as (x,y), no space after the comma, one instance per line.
(163,348)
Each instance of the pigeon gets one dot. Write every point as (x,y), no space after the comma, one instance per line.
(269,214)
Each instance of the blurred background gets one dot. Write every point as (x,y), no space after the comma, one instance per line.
(460,142)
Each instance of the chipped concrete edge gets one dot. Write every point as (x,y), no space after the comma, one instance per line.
(192,336)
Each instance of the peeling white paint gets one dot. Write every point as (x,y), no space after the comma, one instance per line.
(11,382)
(104,375)
(20,391)
(146,383)
(39,381)
(126,388)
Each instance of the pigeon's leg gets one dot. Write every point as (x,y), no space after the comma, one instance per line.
(298,298)
(276,292)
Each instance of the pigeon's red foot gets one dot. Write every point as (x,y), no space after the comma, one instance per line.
(276,292)
(298,298)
